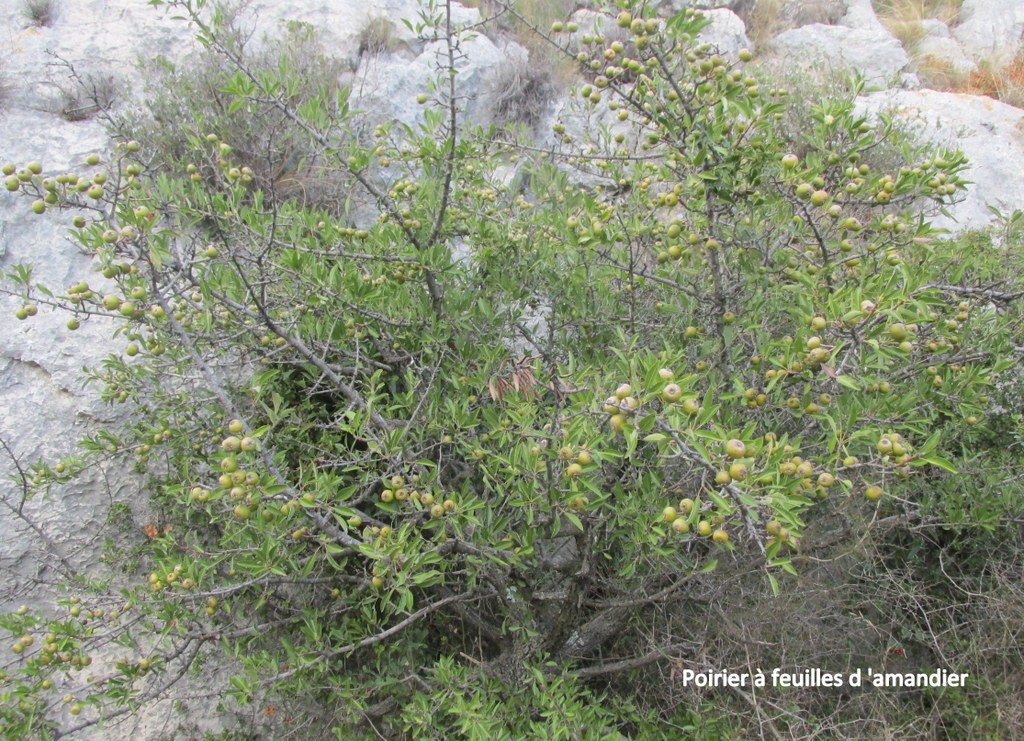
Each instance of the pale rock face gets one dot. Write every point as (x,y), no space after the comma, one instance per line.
(726,31)
(990,133)
(861,14)
(946,52)
(877,55)
(991,30)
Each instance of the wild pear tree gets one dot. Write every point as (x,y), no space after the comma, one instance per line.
(432,495)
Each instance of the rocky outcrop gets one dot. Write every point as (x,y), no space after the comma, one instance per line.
(990,133)
(876,55)
(991,30)
(939,48)
(726,31)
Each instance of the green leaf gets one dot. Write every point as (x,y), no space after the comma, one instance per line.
(939,462)
(848,382)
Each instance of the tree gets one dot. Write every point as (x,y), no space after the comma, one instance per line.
(487,497)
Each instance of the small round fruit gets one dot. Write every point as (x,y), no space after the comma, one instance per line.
(573,470)
(584,458)
(773,528)
(623,391)
(618,422)
(825,480)
(738,471)
(665,374)
(231,444)
(735,449)
(242,512)
(873,493)
(669,514)
(437,511)
(38,206)
(704,528)
(790,161)
(686,506)
(680,525)
(671,392)
(720,536)
(723,478)
(691,406)
(377,582)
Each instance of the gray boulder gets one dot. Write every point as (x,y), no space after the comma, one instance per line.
(876,54)
(991,30)
(988,132)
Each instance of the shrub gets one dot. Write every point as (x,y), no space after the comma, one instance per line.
(518,495)
(274,151)
(84,95)
(518,92)
(377,37)
(39,12)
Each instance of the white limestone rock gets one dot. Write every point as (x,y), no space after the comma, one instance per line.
(990,133)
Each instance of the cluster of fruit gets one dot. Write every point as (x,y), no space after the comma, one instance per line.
(395,490)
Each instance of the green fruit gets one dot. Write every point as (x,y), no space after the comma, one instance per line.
(735,449)
(38,206)
(669,514)
(12,183)
(818,198)
(671,393)
(34,167)
(873,493)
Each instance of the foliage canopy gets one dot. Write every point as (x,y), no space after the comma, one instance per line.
(689,356)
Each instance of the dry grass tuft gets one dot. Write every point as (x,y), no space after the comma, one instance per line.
(1002,82)
(39,12)
(903,17)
